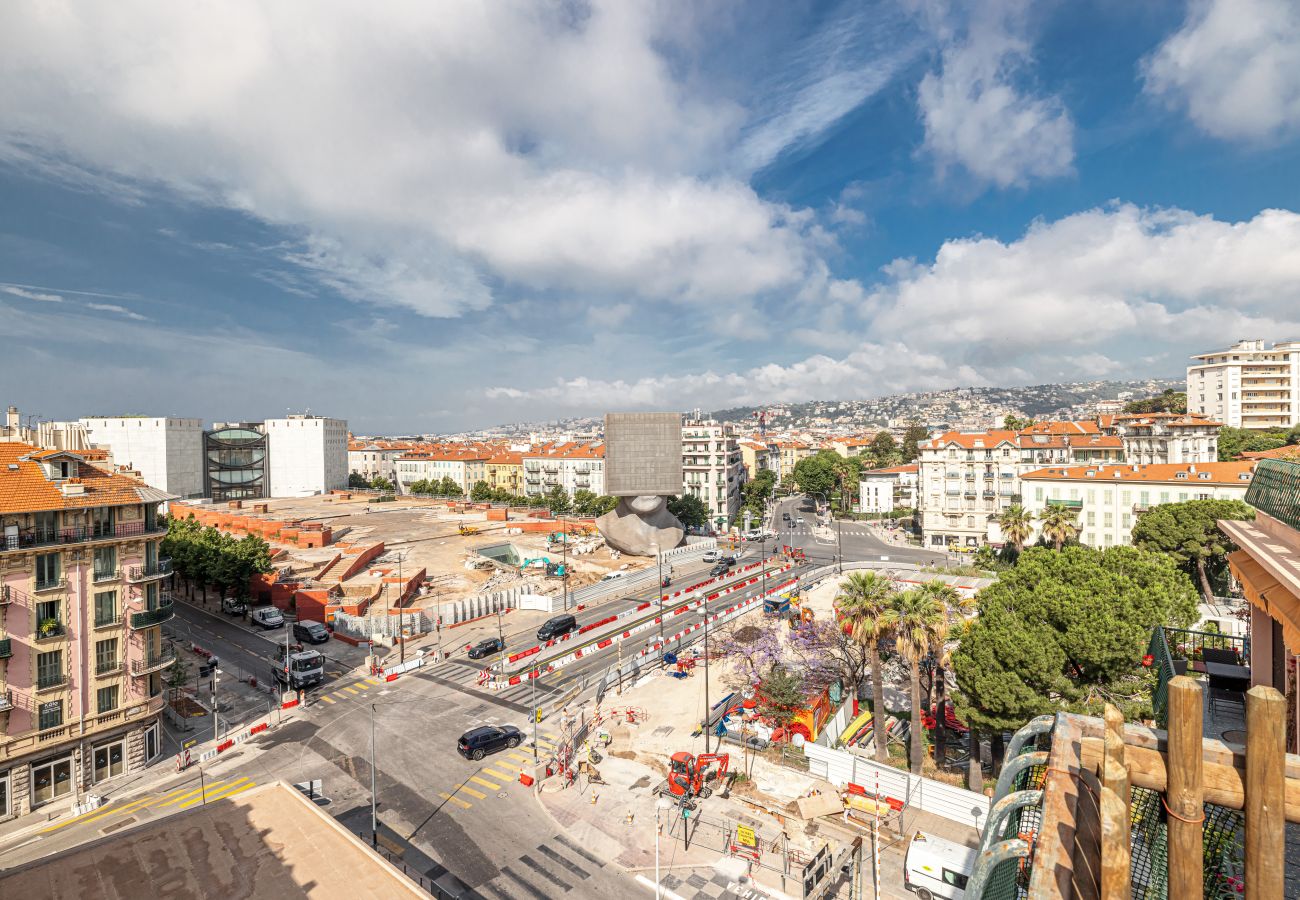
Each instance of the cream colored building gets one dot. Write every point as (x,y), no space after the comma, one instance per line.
(1155,438)
(1248,385)
(1108,499)
(712,468)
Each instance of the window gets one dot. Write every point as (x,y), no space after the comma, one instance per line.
(52,779)
(152,744)
(110,760)
(1092,518)
(1164,496)
(956,879)
(1038,493)
(47,570)
(1108,519)
(105,608)
(105,655)
(105,563)
(51,715)
(1125,497)
(48,621)
(4,794)
(49,670)
(106,698)
(1127,520)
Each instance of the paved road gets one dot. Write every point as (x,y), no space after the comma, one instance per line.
(858,540)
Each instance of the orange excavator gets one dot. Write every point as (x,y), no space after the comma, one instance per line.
(692,776)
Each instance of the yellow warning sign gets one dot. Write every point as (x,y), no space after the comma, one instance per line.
(745,835)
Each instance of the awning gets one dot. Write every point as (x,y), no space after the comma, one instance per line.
(1266,592)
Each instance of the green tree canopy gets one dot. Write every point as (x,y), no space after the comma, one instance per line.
(780,695)
(380,483)
(689,510)
(1235,441)
(816,474)
(1169,400)
(1015,423)
(481,492)
(357,480)
(1190,534)
(1066,631)
(557,500)
(915,433)
(884,449)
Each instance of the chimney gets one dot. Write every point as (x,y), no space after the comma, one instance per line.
(12,419)
(1191,469)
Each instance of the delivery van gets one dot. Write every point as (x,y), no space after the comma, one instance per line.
(935,867)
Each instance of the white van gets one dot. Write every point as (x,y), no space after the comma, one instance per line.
(935,867)
(613,576)
(267,617)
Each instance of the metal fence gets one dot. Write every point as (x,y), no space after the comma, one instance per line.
(386,626)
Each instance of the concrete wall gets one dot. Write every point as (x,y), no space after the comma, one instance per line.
(168,452)
(306,456)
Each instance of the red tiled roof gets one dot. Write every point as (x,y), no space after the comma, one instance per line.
(1218,472)
(909,469)
(24,487)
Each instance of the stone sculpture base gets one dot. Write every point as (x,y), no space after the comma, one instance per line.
(640,526)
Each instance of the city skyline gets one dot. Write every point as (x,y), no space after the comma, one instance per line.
(837,200)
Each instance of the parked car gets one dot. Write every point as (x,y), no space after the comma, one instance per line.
(310,632)
(728,559)
(720,569)
(799,521)
(478,742)
(267,617)
(710,556)
(613,576)
(486,648)
(556,626)
(233,606)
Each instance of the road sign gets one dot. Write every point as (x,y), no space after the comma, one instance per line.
(190,743)
(745,835)
(537,714)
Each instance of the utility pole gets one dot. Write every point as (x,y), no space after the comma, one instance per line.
(401,632)
(374,807)
(708,710)
(216,717)
(532,680)
(839,538)
(659,555)
(564,564)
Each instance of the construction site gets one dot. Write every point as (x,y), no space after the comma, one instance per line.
(355,554)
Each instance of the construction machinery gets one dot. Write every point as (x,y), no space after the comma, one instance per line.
(466,530)
(691,776)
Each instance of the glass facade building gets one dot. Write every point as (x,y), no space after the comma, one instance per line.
(235,462)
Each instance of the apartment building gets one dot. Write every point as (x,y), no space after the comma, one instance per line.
(967,478)
(759,456)
(1108,499)
(884,490)
(376,459)
(572,466)
(505,471)
(790,453)
(306,455)
(167,451)
(1155,438)
(82,600)
(1249,385)
(464,467)
(712,468)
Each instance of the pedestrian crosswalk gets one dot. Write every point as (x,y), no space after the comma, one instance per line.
(466,678)
(358,688)
(194,792)
(497,773)
(554,867)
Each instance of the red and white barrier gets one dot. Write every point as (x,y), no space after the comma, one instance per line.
(185,758)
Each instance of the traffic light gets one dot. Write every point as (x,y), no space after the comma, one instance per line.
(205,670)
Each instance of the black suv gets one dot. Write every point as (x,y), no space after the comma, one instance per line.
(721,568)
(556,626)
(478,742)
(486,648)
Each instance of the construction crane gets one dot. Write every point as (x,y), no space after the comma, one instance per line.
(761,418)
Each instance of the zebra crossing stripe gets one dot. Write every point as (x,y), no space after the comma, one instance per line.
(485,782)
(329,699)
(495,774)
(478,795)
(450,799)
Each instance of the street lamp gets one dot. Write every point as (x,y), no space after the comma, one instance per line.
(374,807)
(659,555)
(564,565)
(708,710)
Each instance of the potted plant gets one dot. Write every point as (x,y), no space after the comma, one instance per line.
(49,627)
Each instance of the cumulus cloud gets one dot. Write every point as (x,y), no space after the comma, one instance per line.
(425,155)
(1057,302)
(979,116)
(1234,66)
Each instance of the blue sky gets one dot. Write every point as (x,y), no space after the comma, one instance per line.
(433,216)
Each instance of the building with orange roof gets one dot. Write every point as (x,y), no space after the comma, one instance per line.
(571,465)
(81,648)
(505,471)
(1108,499)
(758,455)
(464,466)
(1155,438)
(887,489)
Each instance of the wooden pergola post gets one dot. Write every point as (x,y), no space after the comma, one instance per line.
(1116,818)
(1265,792)
(1185,796)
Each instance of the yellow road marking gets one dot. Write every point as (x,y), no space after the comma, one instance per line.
(374,682)
(350,690)
(227,791)
(484,782)
(549,736)
(521,757)
(340,695)
(496,774)
(450,799)
(109,810)
(210,786)
(329,699)
(472,792)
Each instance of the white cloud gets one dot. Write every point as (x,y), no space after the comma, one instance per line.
(19,291)
(977,115)
(424,154)
(1235,66)
(115,308)
(1065,299)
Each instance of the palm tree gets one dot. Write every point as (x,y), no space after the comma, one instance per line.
(1017,525)
(863,600)
(955,606)
(1058,524)
(918,622)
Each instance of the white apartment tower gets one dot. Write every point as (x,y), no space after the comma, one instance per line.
(166,451)
(306,455)
(712,468)
(1248,385)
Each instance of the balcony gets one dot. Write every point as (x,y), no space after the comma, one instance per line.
(77,534)
(1064,504)
(6,648)
(150,617)
(11,595)
(50,630)
(6,701)
(150,571)
(53,584)
(49,681)
(153,662)
(101,575)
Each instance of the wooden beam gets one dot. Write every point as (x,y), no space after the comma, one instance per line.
(1184,797)
(1221,784)
(1265,827)
(1116,883)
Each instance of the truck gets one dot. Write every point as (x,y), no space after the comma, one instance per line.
(306,668)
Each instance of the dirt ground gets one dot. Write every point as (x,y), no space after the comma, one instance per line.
(422,535)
